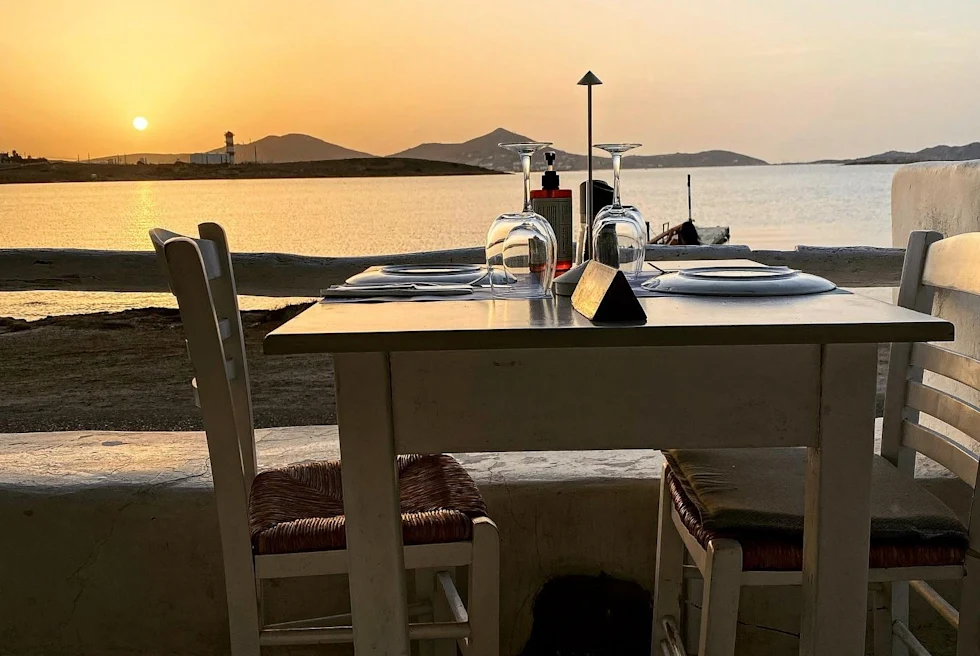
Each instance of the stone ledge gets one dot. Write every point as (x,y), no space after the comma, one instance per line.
(49,462)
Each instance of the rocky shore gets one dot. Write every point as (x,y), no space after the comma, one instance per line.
(129,371)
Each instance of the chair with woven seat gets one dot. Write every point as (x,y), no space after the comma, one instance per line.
(289,521)
(738,513)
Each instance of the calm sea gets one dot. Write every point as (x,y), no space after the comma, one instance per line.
(765,207)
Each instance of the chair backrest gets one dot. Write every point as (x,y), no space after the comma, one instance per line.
(221,306)
(933,263)
(200,275)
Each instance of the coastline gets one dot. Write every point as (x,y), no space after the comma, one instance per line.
(367,167)
(129,371)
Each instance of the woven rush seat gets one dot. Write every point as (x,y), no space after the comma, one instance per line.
(301,507)
(756,496)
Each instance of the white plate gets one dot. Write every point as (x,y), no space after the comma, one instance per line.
(739,281)
(427,270)
(450,274)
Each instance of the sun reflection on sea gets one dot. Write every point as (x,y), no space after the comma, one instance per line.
(142,215)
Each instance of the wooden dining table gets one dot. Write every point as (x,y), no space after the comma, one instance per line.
(535,375)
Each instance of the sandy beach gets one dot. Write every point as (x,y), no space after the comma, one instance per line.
(130,371)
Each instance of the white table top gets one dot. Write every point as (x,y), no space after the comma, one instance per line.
(833,317)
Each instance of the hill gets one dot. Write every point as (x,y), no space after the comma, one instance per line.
(933,154)
(484,151)
(360,167)
(682,160)
(291,148)
(272,149)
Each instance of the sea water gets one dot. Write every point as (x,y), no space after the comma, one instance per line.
(775,207)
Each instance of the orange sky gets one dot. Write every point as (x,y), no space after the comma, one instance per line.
(778,79)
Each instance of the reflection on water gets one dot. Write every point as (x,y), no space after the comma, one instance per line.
(143,215)
(766,207)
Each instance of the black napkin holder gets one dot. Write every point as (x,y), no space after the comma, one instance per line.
(604,294)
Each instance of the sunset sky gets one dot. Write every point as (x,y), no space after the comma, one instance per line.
(783,80)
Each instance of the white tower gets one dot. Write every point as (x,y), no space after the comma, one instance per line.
(230,147)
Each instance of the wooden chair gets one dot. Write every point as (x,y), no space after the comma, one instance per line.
(289,522)
(738,513)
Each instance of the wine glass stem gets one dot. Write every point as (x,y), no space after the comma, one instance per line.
(526,166)
(616,157)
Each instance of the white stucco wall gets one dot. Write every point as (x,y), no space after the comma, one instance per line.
(944,197)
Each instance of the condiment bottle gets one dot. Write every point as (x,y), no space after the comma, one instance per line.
(555,204)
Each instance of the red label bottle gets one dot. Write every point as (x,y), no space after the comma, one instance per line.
(555,205)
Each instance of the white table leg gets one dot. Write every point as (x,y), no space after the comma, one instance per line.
(376,558)
(838,502)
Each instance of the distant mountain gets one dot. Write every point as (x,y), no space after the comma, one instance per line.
(272,149)
(681,160)
(291,148)
(934,154)
(484,151)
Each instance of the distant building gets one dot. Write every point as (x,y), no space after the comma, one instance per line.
(212,158)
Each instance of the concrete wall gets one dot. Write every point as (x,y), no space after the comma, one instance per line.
(110,541)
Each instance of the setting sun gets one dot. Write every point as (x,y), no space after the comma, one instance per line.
(140,123)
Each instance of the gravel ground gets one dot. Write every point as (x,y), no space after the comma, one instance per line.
(130,371)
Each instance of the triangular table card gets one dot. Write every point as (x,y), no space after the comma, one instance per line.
(604,294)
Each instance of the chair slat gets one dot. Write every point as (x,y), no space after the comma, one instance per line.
(224,294)
(938,602)
(950,454)
(908,639)
(951,263)
(943,406)
(224,329)
(953,365)
(230,369)
(911,295)
(197,393)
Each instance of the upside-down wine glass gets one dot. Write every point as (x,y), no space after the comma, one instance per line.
(521,246)
(619,233)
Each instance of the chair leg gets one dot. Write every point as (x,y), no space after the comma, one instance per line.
(442,613)
(425,581)
(483,603)
(899,611)
(244,631)
(881,614)
(243,601)
(669,579)
(719,609)
(968,639)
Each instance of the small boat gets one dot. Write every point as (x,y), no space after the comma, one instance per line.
(685,234)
